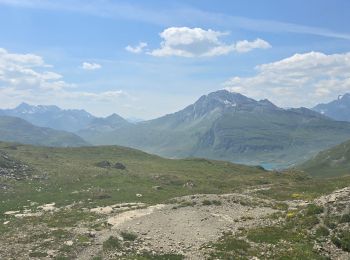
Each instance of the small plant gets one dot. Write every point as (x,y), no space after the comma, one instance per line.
(297,196)
(128,236)
(291,214)
(112,243)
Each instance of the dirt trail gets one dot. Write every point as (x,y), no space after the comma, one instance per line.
(185,226)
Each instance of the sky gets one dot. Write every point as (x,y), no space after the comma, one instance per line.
(144,59)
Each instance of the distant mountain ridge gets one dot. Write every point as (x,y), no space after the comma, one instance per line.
(14,129)
(230,126)
(338,109)
(71,120)
(103,125)
(51,116)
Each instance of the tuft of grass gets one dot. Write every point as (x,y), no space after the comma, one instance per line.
(345,218)
(313,209)
(230,247)
(342,240)
(206,202)
(148,256)
(112,243)
(211,202)
(128,236)
(37,254)
(322,231)
(270,235)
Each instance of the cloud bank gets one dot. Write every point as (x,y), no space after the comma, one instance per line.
(299,80)
(26,77)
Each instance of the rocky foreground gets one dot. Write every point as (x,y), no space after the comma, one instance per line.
(192,227)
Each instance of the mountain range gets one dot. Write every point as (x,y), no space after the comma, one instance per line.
(229,126)
(221,125)
(338,109)
(70,120)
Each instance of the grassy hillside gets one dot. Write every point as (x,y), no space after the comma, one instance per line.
(78,179)
(13,129)
(332,162)
(65,175)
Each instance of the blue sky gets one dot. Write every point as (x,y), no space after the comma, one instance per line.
(148,58)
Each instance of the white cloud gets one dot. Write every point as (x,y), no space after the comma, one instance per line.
(299,80)
(137,49)
(245,46)
(197,42)
(90,66)
(24,77)
(27,60)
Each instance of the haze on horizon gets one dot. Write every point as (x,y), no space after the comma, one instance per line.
(148,59)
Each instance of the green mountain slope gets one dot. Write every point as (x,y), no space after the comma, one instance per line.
(13,129)
(331,162)
(230,126)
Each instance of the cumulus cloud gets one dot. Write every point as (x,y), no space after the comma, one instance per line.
(136,49)
(26,77)
(299,80)
(245,46)
(197,42)
(23,71)
(90,66)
